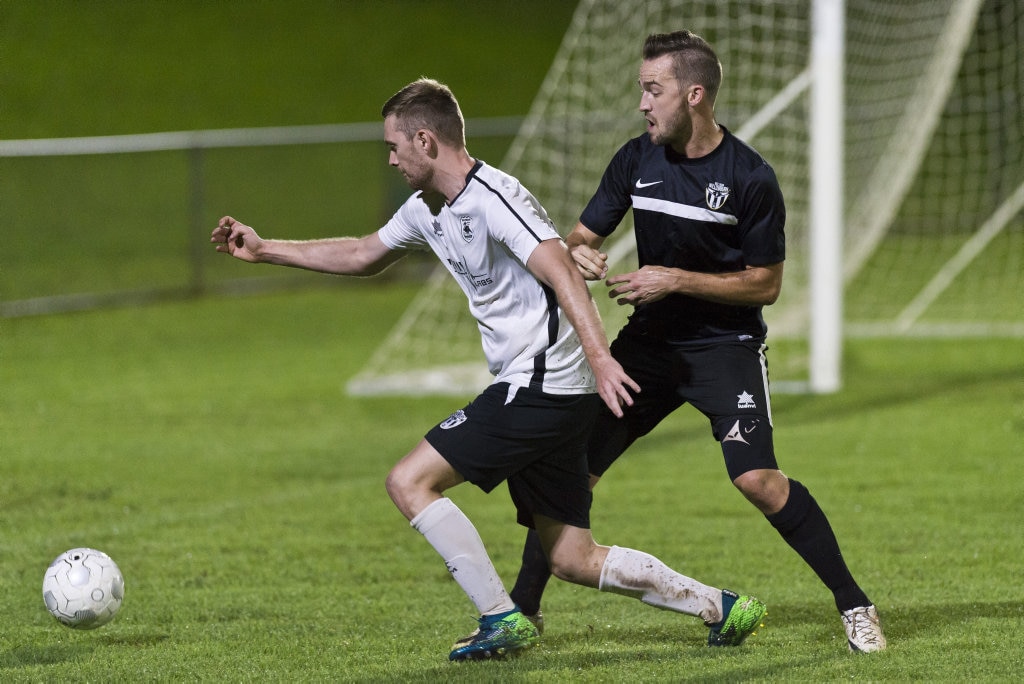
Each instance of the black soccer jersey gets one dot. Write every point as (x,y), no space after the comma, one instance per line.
(715,214)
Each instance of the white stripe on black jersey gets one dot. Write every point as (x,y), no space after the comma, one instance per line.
(484,238)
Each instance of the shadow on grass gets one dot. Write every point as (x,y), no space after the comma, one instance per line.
(811,635)
(901,621)
(50,654)
(77,647)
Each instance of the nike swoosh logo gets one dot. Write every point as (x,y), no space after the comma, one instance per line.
(640,184)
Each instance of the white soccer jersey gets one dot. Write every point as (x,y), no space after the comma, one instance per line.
(484,238)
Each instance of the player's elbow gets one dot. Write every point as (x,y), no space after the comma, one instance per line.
(760,294)
(770,295)
(767,281)
(366,261)
(365,270)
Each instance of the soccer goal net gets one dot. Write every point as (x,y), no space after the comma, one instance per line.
(932,180)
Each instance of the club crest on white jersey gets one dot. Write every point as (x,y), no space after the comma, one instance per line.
(715,195)
(467,228)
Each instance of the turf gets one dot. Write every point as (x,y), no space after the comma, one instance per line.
(209,448)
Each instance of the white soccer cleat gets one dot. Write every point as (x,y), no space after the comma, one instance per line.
(863,630)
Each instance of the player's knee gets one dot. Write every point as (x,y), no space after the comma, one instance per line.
(753,483)
(400,485)
(576,565)
(566,568)
(393,485)
(766,488)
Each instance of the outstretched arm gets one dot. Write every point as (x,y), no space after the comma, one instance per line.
(340,256)
(551,264)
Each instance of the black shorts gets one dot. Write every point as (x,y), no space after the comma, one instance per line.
(535,441)
(726,381)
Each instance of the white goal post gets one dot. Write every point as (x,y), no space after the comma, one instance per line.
(825,338)
(859,106)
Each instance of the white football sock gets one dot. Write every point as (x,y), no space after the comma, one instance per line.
(642,576)
(455,538)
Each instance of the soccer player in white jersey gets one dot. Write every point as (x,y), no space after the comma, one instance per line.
(709,226)
(551,364)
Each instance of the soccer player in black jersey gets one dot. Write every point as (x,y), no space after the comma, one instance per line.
(709,223)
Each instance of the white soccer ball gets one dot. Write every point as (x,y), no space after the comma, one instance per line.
(83,588)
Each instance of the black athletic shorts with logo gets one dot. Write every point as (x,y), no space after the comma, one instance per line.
(727,381)
(533,440)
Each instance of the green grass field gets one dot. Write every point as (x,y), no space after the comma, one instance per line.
(209,448)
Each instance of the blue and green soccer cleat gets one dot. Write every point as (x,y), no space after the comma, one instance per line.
(743,615)
(497,636)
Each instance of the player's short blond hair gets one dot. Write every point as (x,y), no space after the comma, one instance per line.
(427,104)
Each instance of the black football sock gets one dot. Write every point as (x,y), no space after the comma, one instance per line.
(803,525)
(533,576)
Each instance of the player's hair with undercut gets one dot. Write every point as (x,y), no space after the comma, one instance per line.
(426,103)
(694,58)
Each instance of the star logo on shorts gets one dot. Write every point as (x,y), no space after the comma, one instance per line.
(746,400)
